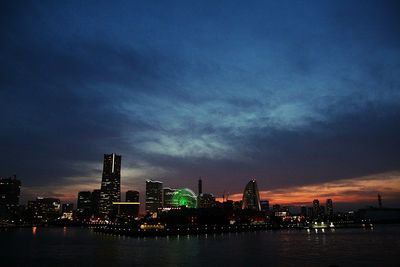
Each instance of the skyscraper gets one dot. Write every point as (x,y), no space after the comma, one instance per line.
(153,195)
(251,196)
(10,189)
(110,183)
(316,208)
(329,207)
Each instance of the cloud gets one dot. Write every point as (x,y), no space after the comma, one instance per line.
(226,91)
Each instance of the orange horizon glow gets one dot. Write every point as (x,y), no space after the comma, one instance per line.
(362,189)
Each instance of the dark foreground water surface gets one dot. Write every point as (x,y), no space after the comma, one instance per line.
(83,247)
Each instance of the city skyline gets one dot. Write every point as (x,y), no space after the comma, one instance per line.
(292,196)
(303,97)
(297,197)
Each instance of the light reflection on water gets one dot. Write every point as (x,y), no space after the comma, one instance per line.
(80,246)
(34,229)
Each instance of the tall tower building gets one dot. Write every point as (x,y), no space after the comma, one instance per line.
(251,196)
(110,183)
(329,207)
(316,208)
(154,194)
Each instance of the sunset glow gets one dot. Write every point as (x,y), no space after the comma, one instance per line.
(363,189)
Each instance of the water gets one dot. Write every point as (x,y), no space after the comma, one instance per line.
(82,247)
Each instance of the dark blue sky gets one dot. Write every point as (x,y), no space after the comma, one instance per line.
(291,92)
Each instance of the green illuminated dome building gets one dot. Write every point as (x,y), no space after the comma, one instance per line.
(184,197)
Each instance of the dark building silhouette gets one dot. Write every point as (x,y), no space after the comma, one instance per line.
(276,207)
(303,211)
(206,201)
(321,211)
(264,205)
(329,207)
(132,196)
(96,202)
(153,195)
(200,187)
(316,208)
(237,205)
(251,196)
(67,207)
(10,189)
(126,209)
(110,190)
(379,215)
(84,207)
(310,212)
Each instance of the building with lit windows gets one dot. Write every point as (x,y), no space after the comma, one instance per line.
(168,195)
(67,210)
(67,207)
(251,196)
(127,209)
(44,210)
(316,208)
(154,194)
(85,205)
(10,189)
(110,190)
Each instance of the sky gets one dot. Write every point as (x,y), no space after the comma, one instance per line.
(304,96)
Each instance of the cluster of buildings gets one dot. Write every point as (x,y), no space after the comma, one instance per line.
(318,211)
(160,198)
(105,204)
